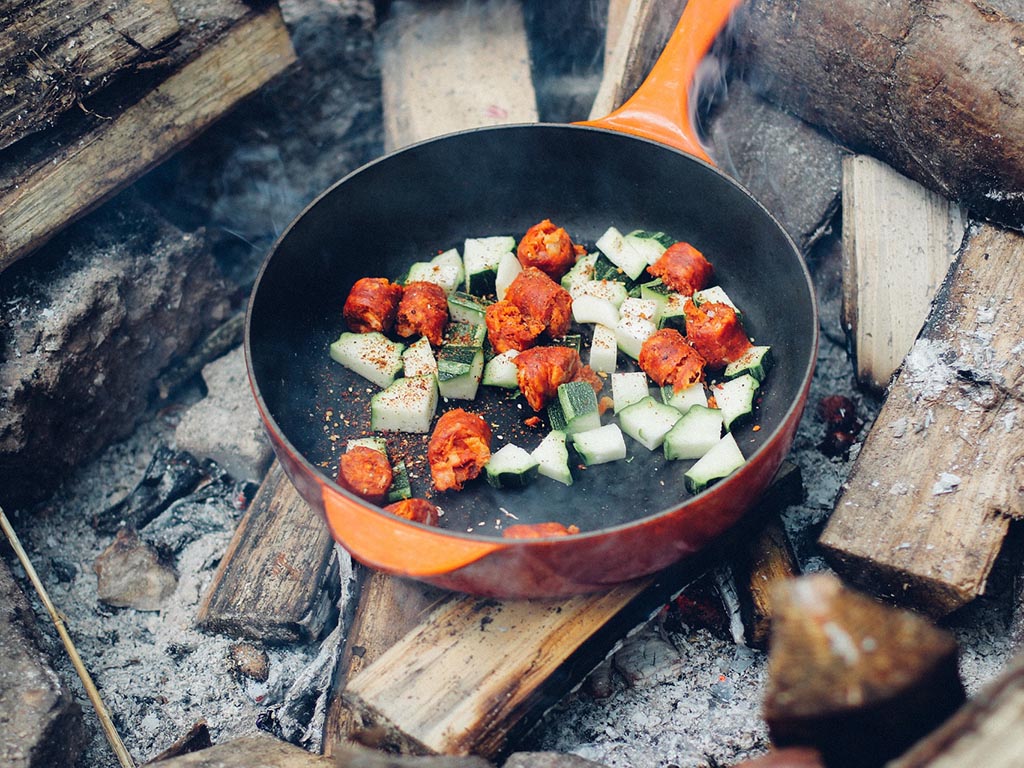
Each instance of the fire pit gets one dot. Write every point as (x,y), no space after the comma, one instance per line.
(204,597)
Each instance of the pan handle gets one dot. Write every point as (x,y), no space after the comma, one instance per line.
(396,546)
(660,108)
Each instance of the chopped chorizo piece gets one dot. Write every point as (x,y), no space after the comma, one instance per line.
(459,447)
(538,530)
(668,359)
(714,330)
(372,305)
(365,472)
(548,248)
(423,310)
(417,510)
(541,370)
(682,268)
(508,328)
(542,299)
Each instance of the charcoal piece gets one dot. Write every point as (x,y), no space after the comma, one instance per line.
(213,508)
(171,475)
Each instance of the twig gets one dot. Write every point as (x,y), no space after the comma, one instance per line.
(90,688)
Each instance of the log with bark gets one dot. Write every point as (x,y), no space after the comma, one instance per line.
(225,50)
(932,88)
(929,501)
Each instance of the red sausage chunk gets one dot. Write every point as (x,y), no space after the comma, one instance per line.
(548,248)
(541,370)
(417,510)
(372,305)
(423,311)
(683,269)
(668,359)
(543,300)
(366,473)
(508,328)
(715,331)
(459,447)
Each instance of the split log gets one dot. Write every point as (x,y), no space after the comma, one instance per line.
(477,672)
(928,87)
(768,561)
(930,497)
(42,722)
(853,678)
(228,51)
(985,731)
(197,738)
(277,582)
(249,751)
(899,240)
(54,53)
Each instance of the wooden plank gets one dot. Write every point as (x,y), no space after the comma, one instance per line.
(66,182)
(898,242)
(478,671)
(275,582)
(448,66)
(54,53)
(928,502)
(985,731)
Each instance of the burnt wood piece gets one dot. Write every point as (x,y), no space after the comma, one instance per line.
(928,87)
(249,751)
(224,338)
(985,731)
(899,240)
(54,53)
(197,738)
(226,50)
(170,475)
(42,722)
(277,581)
(768,561)
(930,497)
(477,672)
(858,680)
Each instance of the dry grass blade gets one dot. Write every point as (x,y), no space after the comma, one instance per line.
(90,688)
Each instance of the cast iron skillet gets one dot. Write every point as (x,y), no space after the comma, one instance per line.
(635,516)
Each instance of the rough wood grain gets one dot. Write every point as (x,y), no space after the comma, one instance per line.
(448,66)
(249,752)
(275,582)
(898,242)
(768,561)
(54,179)
(985,731)
(54,53)
(928,502)
(931,88)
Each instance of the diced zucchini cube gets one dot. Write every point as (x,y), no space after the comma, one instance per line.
(735,398)
(511,467)
(714,294)
(418,359)
(632,332)
(587,310)
(501,371)
(671,314)
(481,256)
(605,269)
(610,290)
(552,457)
(628,388)
(640,309)
(685,398)
(657,292)
(465,308)
(621,252)
(721,461)
(648,421)
(579,404)
(581,272)
(604,351)
(400,488)
(650,244)
(407,405)
(696,433)
(756,361)
(459,371)
(556,417)
(508,268)
(601,445)
(375,443)
(464,335)
(371,355)
(445,270)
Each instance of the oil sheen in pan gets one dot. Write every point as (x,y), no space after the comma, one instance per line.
(601,496)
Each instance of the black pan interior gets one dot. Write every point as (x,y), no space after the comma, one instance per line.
(417,202)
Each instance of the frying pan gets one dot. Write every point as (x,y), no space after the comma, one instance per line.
(639,168)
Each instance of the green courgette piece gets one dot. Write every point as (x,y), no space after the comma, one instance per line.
(407,405)
(511,467)
(685,398)
(721,461)
(735,398)
(481,257)
(400,488)
(581,272)
(756,361)
(371,355)
(628,387)
(696,433)
(601,445)
(466,308)
(648,421)
(459,371)
(501,371)
(579,404)
(552,456)
(621,253)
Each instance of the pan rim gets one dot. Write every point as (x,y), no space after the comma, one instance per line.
(278,435)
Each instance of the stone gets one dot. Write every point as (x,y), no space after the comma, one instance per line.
(249,661)
(548,760)
(225,425)
(90,320)
(40,722)
(130,574)
(646,659)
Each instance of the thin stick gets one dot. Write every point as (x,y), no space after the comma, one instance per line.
(90,688)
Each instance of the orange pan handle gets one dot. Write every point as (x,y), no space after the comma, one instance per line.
(398,547)
(660,108)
